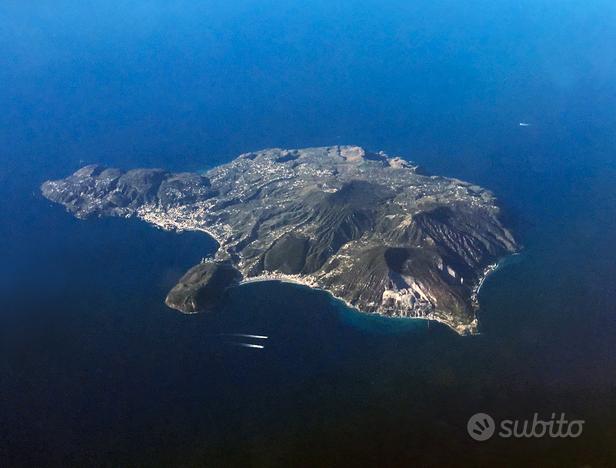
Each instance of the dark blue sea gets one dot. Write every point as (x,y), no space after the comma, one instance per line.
(96,371)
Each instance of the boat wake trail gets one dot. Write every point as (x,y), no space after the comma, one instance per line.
(243,335)
(246,345)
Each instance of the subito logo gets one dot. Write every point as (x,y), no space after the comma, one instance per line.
(481,426)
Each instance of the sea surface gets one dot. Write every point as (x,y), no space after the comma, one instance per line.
(96,371)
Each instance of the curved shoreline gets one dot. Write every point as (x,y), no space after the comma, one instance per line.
(468,330)
(464,330)
(489,271)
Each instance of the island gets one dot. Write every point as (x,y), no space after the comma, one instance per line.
(374,231)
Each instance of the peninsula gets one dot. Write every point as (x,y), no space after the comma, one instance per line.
(372,230)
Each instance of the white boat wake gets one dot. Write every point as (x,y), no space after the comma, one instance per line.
(243,335)
(247,345)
